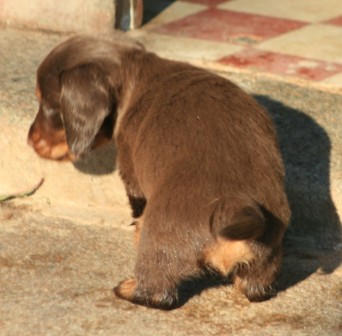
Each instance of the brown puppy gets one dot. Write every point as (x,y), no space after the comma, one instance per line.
(198,157)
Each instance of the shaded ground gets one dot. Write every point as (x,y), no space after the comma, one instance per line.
(63,249)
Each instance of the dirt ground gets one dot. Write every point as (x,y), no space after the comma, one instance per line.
(63,249)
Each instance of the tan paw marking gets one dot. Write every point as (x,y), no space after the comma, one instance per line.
(126,289)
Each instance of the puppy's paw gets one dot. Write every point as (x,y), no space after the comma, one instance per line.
(129,290)
(254,291)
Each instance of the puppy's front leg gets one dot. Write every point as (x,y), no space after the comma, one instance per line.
(137,204)
(136,197)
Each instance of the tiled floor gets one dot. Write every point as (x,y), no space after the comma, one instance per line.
(292,38)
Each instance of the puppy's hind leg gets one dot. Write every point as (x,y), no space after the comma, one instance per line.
(248,246)
(255,280)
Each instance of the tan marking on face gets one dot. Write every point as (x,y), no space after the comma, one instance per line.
(40,144)
(59,151)
(38,93)
(51,145)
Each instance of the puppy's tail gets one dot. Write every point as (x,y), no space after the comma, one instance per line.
(238,218)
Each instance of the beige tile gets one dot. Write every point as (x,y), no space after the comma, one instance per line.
(187,49)
(176,11)
(334,80)
(321,42)
(302,10)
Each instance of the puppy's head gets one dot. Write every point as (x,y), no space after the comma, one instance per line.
(77,88)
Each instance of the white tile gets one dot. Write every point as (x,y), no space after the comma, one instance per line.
(178,10)
(320,42)
(301,10)
(183,48)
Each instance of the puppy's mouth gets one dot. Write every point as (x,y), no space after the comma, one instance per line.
(48,139)
(53,145)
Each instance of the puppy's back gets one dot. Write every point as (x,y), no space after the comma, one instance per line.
(210,135)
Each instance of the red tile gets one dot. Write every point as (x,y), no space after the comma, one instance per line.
(282,64)
(223,26)
(336,21)
(209,3)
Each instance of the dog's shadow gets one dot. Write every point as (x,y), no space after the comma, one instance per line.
(101,161)
(315,229)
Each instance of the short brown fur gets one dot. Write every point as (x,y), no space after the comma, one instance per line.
(198,157)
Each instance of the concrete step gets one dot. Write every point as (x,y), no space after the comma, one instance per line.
(59,16)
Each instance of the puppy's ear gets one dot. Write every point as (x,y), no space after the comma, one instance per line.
(85,101)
